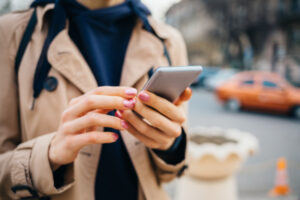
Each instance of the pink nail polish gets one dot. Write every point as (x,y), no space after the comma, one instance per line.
(144,96)
(115,136)
(133,101)
(118,114)
(124,124)
(131,91)
(128,104)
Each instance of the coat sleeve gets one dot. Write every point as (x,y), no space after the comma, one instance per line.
(24,166)
(164,171)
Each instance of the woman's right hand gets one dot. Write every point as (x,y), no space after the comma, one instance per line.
(80,120)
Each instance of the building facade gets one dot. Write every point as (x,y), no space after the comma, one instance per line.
(242,34)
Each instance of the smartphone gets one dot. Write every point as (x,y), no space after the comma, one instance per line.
(170,82)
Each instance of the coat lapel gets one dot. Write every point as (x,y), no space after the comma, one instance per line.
(64,56)
(144,51)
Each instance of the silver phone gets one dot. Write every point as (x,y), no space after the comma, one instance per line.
(170,82)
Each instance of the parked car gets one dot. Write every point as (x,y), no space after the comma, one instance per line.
(221,76)
(260,90)
(207,73)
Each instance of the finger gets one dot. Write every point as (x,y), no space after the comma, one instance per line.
(90,129)
(93,102)
(125,92)
(163,106)
(92,119)
(81,140)
(143,138)
(103,111)
(185,96)
(157,120)
(145,128)
(118,114)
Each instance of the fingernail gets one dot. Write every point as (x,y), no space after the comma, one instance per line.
(124,124)
(115,136)
(131,91)
(133,101)
(128,104)
(118,114)
(144,96)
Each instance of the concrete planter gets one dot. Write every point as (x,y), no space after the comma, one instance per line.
(214,156)
(214,153)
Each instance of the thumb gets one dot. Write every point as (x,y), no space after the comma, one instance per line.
(185,96)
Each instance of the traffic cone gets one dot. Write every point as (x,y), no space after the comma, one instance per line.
(281,187)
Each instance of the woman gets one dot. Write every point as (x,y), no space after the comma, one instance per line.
(85,62)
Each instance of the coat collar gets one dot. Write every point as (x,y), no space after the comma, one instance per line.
(161,31)
(144,51)
(64,56)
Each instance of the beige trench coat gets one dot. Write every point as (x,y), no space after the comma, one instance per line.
(25,134)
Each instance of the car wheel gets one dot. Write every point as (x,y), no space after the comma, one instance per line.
(233,105)
(296,112)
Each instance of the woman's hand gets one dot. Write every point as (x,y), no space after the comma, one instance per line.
(162,120)
(84,114)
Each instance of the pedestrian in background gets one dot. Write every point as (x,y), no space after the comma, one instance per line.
(69,98)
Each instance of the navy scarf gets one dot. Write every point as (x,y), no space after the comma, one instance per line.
(102,36)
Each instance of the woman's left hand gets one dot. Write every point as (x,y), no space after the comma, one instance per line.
(162,120)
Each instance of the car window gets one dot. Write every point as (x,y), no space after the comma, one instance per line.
(248,82)
(270,84)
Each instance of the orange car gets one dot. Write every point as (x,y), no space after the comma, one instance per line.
(260,90)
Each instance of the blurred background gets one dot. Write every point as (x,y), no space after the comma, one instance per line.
(250,51)
(229,36)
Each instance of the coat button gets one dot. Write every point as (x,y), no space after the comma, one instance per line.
(50,83)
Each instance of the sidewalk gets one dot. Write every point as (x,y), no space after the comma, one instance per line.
(264,197)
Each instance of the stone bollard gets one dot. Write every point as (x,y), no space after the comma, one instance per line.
(214,157)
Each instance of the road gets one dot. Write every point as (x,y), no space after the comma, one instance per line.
(278,136)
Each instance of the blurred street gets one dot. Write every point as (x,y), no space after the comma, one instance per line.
(278,135)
